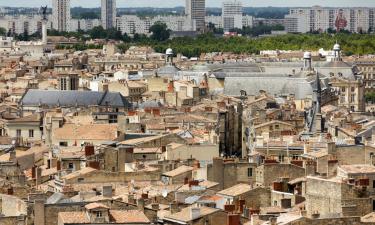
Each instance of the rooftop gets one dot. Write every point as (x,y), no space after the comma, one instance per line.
(185,216)
(357,169)
(236,190)
(180,170)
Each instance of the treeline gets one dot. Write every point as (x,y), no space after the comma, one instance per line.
(352,44)
(358,44)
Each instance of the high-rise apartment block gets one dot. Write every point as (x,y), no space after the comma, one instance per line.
(196,11)
(61,15)
(356,20)
(108,13)
(232,15)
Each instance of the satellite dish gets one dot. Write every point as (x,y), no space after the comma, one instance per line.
(164,193)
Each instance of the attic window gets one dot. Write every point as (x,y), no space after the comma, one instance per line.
(99,214)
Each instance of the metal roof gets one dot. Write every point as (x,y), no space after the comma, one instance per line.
(73,98)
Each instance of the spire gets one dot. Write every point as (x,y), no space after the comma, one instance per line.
(318,92)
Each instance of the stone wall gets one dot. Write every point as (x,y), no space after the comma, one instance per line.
(105,177)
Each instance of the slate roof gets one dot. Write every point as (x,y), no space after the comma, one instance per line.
(168,71)
(73,98)
(300,87)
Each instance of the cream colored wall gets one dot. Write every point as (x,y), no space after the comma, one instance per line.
(198,152)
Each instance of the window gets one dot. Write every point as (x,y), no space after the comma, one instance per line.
(63,144)
(352,98)
(18,133)
(31,133)
(71,166)
(373,184)
(343,89)
(353,89)
(277,126)
(81,179)
(249,172)
(342,99)
(99,214)
(113,119)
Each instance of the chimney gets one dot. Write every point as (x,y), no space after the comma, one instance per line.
(197,164)
(12,156)
(241,205)
(331,147)
(195,213)
(89,150)
(193,183)
(273,220)
(39,217)
(229,208)
(141,204)
(38,176)
(233,219)
(33,172)
(173,207)
(332,167)
(107,191)
(131,199)
(58,165)
(155,206)
(306,148)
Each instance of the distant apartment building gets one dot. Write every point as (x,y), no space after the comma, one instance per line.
(196,12)
(61,15)
(108,12)
(247,21)
(132,24)
(19,24)
(84,24)
(356,20)
(232,15)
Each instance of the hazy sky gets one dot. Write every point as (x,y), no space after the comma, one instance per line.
(171,3)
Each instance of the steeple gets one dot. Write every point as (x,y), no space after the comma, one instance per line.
(318,93)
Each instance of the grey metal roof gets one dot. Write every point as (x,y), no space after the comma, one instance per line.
(168,70)
(148,104)
(73,98)
(279,86)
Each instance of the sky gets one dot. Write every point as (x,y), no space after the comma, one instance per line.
(210,3)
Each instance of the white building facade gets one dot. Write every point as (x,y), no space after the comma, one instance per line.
(84,24)
(232,15)
(132,24)
(61,15)
(19,24)
(356,20)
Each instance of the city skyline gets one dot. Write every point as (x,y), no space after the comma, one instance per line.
(209,3)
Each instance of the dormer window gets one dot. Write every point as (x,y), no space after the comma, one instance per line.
(99,214)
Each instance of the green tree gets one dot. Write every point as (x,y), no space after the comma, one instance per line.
(159,32)
(98,33)
(3,31)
